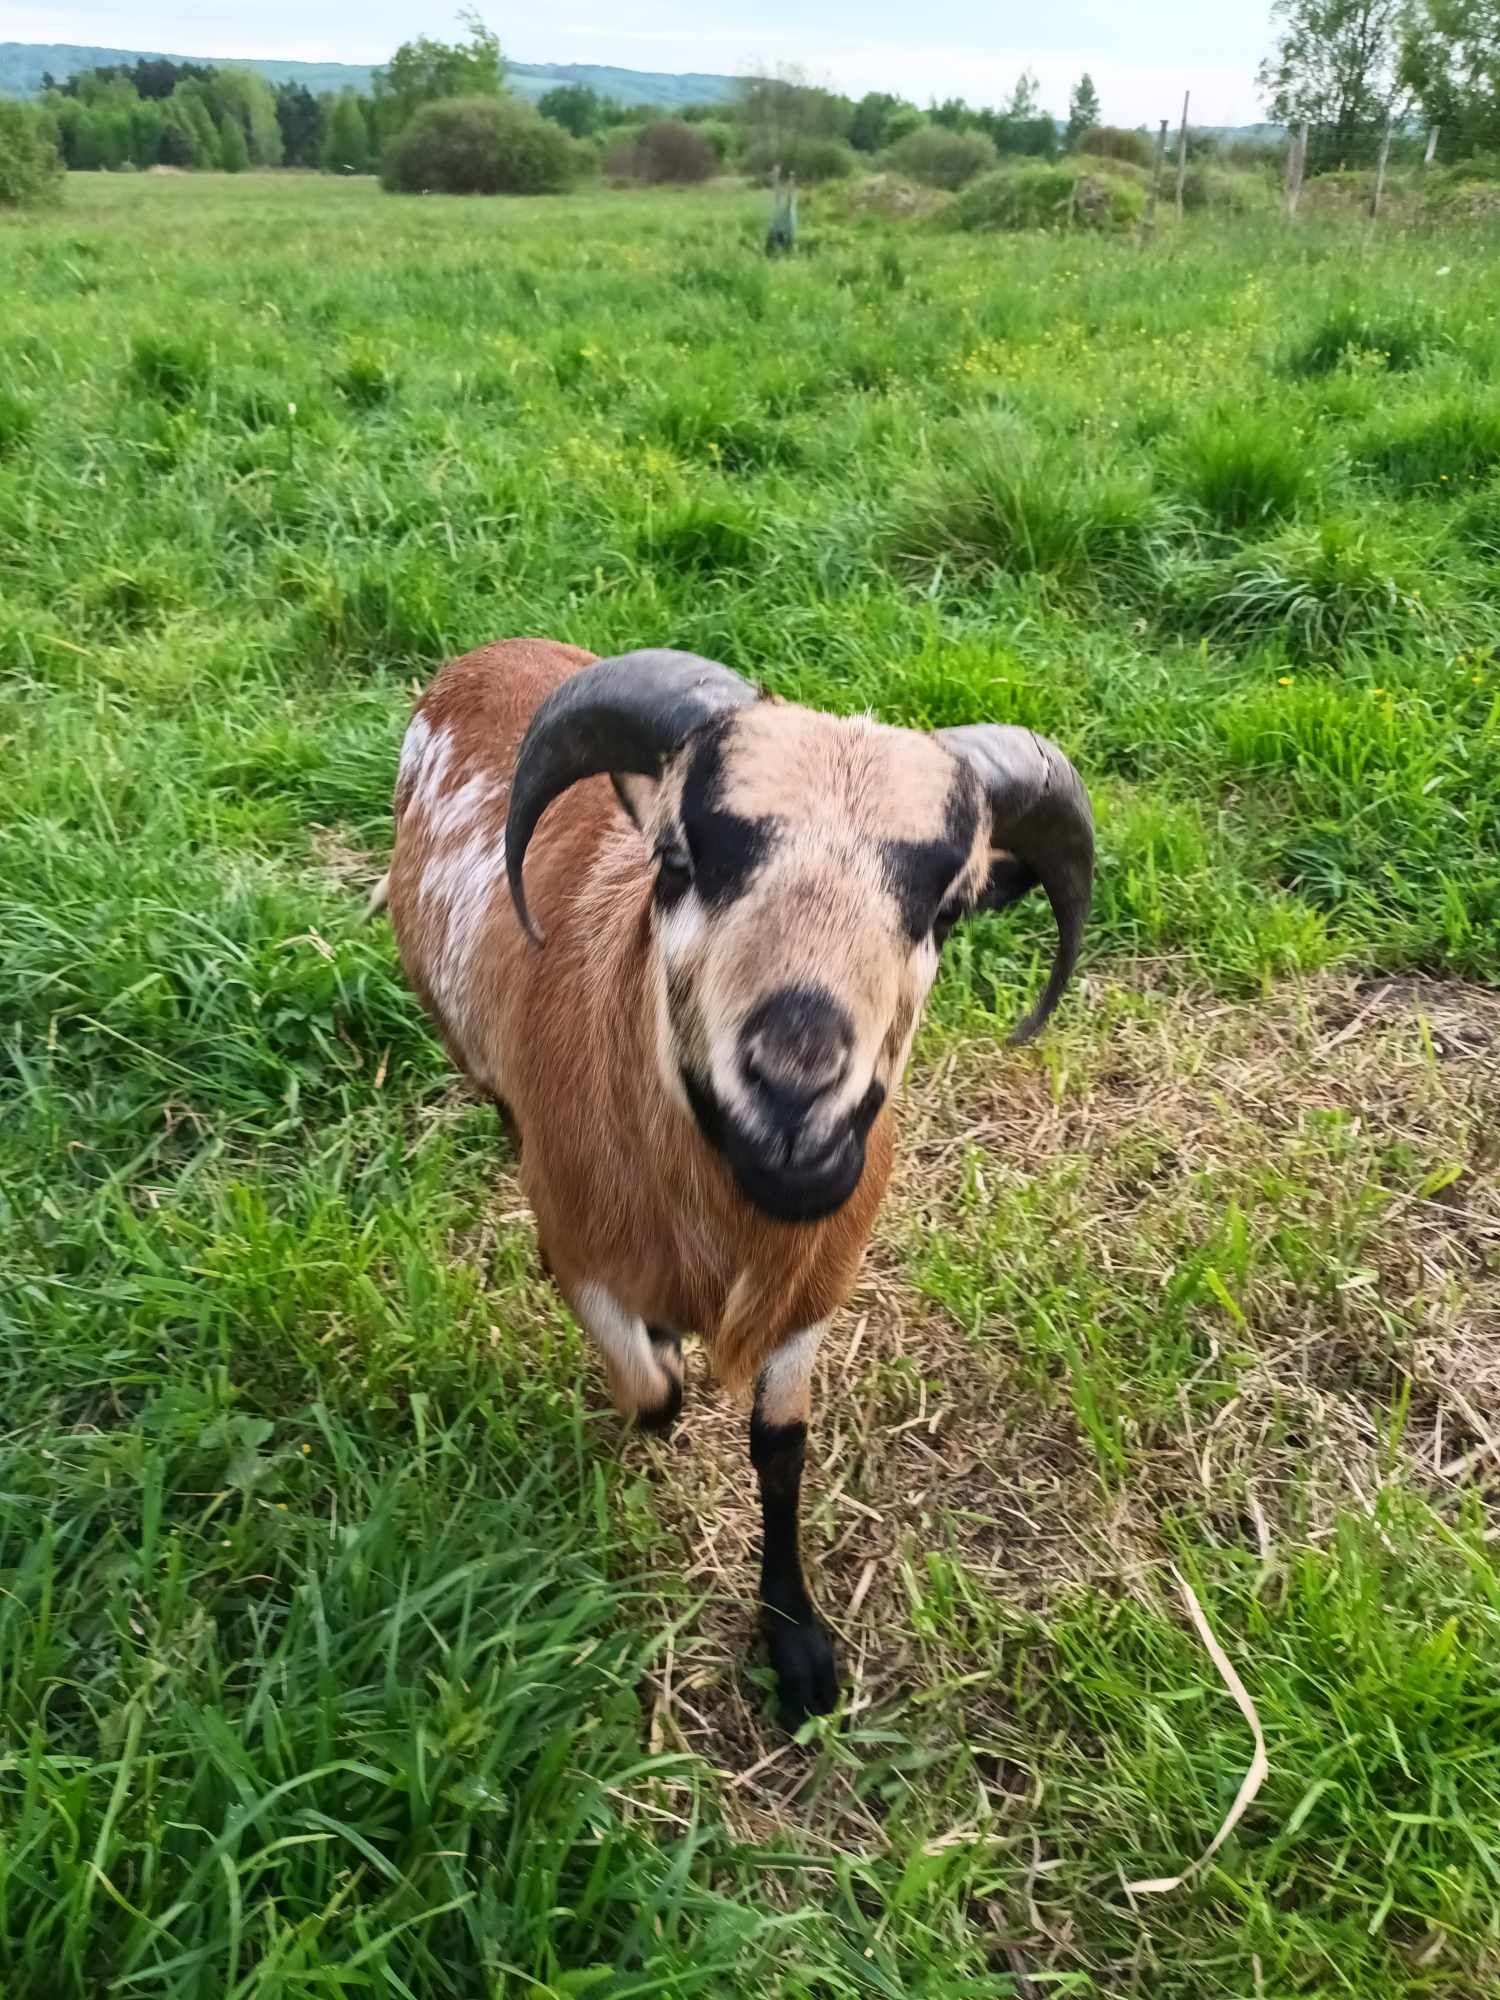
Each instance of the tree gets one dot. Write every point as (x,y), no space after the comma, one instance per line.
(248,99)
(234,154)
(1450,61)
(778,109)
(1024,101)
(301,124)
(30,166)
(1335,68)
(428,72)
(346,142)
(1083,111)
(575,107)
(869,129)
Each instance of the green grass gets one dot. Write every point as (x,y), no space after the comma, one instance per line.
(345,1646)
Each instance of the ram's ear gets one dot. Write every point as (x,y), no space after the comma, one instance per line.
(636,792)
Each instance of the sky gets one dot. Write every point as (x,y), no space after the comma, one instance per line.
(1142,54)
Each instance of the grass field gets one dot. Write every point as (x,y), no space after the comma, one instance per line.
(345,1644)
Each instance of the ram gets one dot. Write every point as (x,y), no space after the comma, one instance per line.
(682,935)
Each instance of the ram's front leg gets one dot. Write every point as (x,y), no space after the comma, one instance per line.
(643,1363)
(801,1650)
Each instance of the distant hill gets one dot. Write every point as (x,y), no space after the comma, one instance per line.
(22,65)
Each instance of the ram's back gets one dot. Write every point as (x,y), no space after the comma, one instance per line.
(460,943)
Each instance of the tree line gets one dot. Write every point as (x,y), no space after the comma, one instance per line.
(156,112)
(1352,69)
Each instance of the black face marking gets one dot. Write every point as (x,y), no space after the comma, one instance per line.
(674,876)
(726,847)
(776,1189)
(921,872)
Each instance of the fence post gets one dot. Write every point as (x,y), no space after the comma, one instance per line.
(1182,152)
(1296,161)
(1385,154)
(1431,154)
(1148,220)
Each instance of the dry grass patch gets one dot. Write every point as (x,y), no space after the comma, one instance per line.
(1195,1272)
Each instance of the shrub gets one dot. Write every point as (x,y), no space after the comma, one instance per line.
(480,145)
(666,153)
(1208,186)
(804,154)
(1118,142)
(720,134)
(939,158)
(1037,196)
(30,167)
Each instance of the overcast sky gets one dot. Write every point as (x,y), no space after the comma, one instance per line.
(1142,54)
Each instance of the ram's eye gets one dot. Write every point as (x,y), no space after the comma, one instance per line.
(944,921)
(674,873)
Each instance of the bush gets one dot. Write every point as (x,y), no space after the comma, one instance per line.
(939,158)
(480,145)
(1118,142)
(30,167)
(804,154)
(720,134)
(1037,196)
(665,154)
(1207,186)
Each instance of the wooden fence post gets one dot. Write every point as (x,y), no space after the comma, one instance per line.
(1148,220)
(1296,161)
(1182,152)
(1385,154)
(1431,154)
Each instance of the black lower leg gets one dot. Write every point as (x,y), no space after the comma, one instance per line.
(801,1651)
(668,1350)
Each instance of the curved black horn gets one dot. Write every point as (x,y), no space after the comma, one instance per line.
(1039,813)
(624,714)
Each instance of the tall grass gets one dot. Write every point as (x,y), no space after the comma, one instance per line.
(344,1645)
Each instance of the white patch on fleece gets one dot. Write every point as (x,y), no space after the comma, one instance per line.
(454,811)
(413,750)
(789,1369)
(432,769)
(457,886)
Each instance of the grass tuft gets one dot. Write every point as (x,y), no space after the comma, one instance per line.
(1245,471)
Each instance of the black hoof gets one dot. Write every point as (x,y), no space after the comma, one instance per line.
(659,1421)
(807,1679)
(667,1348)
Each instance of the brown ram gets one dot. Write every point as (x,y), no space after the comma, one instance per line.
(742,903)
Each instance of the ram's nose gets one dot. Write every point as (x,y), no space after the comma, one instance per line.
(795,1050)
